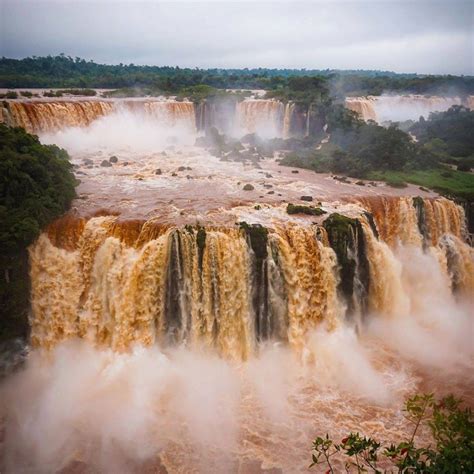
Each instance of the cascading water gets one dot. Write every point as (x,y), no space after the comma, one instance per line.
(402,107)
(195,285)
(264,117)
(39,116)
(269,118)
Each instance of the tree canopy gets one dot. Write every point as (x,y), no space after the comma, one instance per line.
(67,72)
(36,186)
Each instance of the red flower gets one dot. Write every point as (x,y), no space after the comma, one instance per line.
(404,451)
(345,440)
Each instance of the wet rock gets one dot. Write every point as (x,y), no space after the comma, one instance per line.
(106,164)
(113,159)
(174,174)
(125,163)
(181,168)
(13,354)
(189,176)
(360,183)
(158,171)
(188,168)
(306,198)
(268,175)
(248,187)
(87,161)
(271,192)
(268,186)
(294,171)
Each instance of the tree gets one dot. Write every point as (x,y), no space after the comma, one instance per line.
(452,429)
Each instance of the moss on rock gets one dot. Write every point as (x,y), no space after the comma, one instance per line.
(308,210)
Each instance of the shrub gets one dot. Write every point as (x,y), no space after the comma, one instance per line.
(396,183)
(452,429)
(308,210)
(465,165)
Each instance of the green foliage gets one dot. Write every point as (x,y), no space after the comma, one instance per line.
(52,93)
(308,210)
(396,183)
(67,72)
(360,84)
(452,429)
(303,91)
(81,92)
(357,148)
(10,95)
(36,186)
(453,127)
(367,150)
(457,184)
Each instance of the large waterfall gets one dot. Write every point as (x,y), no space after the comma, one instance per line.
(51,116)
(117,282)
(268,118)
(402,107)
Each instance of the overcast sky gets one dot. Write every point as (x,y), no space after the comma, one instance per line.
(404,36)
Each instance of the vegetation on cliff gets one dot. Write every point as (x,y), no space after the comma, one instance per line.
(36,186)
(440,159)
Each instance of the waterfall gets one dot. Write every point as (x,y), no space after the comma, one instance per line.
(41,117)
(287,120)
(364,106)
(261,116)
(118,283)
(402,107)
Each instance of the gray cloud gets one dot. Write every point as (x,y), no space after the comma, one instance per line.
(404,36)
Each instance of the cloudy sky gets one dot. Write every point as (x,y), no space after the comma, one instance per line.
(404,36)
